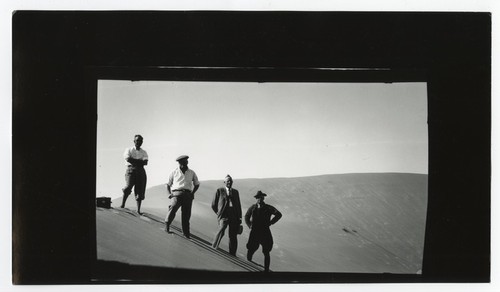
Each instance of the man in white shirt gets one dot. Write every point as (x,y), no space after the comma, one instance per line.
(181,186)
(226,204)
(135,175)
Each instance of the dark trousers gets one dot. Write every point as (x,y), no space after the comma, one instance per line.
(267,258)
(260,237)
(185,202)
(233,224)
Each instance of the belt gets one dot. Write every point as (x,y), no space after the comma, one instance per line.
(182,190)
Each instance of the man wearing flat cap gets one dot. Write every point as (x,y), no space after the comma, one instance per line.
(259,218)
(226,204)
(181,186)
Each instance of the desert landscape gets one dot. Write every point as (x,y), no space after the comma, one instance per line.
(339,223)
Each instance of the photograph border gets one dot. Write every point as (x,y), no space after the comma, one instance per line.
(54,51)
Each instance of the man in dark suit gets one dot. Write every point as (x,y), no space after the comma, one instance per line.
(259,218)
(226,204)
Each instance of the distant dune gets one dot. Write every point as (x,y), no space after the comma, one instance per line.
(352,223)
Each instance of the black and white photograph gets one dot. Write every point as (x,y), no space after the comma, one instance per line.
(194,147)
(344,163)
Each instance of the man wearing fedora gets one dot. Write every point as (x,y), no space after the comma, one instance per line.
(226,204)
(181,186)
(259,218)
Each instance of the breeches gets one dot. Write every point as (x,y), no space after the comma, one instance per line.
(135,177)
(260,237)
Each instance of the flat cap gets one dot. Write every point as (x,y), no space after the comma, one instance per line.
(181,157)
(260,195)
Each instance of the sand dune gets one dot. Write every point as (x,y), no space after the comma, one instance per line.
(349,223)
(124,236)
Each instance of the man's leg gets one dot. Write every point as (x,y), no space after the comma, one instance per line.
(233,236)
(187,203)
(220,233)
(129,183)
(250,253)
(172,210)
(252,245)
(267,246)
(139,201)
(140,188)
(124,199)
(267,261)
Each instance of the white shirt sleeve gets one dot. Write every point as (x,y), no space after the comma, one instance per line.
(170,181)
(126,154)
(195,179)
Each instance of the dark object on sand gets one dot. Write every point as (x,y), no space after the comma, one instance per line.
(103,202)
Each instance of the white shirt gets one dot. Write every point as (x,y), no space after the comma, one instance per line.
(185,181)
(140,154)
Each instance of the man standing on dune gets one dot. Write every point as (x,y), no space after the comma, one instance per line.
(181,186)
(226,204)
(258,219)
(135,176)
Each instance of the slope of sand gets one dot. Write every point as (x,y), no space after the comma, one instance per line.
(350,223)
(124,236)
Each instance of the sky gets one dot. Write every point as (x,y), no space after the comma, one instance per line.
(260,130)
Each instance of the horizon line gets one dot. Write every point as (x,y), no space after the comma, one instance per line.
(288,177)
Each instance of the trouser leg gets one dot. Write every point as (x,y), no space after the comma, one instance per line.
(124,199)
(140,188)
(220,233)
(140,184)
(172,210)
(129,184)
(251,250)
(187,202)
(233,236)
(250,253)
(252,244)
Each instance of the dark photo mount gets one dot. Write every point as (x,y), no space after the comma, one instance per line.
(59,56)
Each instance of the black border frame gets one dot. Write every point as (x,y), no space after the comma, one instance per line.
(55,54)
